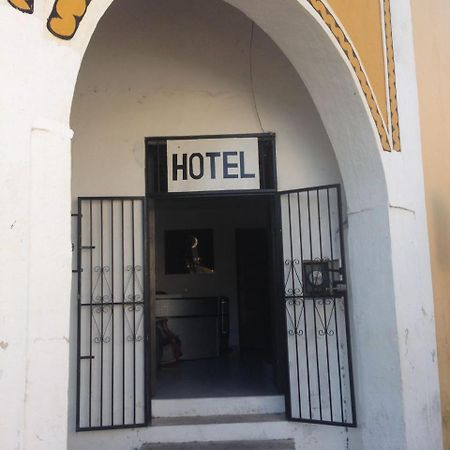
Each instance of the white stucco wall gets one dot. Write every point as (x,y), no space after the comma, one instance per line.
(396,378)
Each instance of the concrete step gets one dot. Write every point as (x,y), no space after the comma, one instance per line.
(216,420)
(278,444)
(221,406)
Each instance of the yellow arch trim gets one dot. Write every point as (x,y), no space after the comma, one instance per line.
(344,42)
(392,80)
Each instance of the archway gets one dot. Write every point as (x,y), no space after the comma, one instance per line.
(294,27)
(90,80)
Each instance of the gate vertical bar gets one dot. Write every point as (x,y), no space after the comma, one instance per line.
(134,310)
(338,355)
(112,312)
(102,274)
(324,304)
(347,320)
(294,302)
(314,307)
(123,310)
(79,296)
(147,340)
(91,298)
(300,237)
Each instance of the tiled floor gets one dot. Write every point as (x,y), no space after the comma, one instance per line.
(230,375)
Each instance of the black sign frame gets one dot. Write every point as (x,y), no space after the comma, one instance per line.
(156,165)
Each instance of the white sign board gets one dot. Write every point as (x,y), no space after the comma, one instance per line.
(212,165)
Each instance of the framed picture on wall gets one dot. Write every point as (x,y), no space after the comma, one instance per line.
(189,251)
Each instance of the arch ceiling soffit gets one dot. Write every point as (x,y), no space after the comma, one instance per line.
(362,29)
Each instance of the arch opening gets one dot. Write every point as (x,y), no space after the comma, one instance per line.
(336,127)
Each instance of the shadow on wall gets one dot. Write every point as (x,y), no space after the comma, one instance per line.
(439,225)
(440,215)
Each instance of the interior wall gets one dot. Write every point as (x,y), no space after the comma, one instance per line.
(223,217)
(432,35)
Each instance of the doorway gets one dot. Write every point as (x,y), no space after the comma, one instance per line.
(215,317)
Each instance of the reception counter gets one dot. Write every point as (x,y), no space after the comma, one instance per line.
(201,324)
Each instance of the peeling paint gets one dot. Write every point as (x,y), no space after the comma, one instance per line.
(3,345)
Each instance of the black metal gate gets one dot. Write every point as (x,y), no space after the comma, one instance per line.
(315,295)
(112,313)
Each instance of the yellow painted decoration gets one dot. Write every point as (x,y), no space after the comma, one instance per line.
(66,16)
(25,6)
(362,20)
(345,44)
(368,24)
(392,79)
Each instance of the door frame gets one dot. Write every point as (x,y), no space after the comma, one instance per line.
(275,269)
(276,244)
